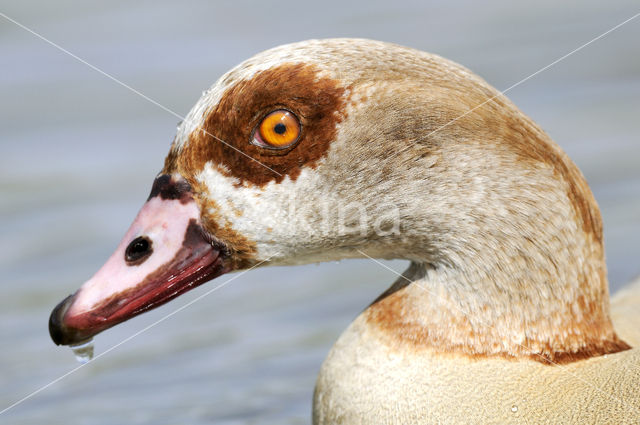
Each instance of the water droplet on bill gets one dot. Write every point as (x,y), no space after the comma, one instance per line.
(83,351)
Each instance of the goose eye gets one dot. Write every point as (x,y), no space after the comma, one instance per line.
(278,130)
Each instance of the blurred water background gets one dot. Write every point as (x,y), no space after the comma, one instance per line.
(78,154)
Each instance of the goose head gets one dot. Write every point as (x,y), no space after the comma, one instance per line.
(342,148)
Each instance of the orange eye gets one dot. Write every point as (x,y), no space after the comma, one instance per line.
(278,130)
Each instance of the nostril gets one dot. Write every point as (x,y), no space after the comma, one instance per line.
(138,251)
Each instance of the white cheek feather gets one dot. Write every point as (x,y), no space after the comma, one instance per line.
(277,217)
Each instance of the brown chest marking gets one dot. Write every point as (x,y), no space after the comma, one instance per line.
(447,333)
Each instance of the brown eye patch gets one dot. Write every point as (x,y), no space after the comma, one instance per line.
(318,102)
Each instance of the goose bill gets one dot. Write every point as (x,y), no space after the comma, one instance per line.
(165,253)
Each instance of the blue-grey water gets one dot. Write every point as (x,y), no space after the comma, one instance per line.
(78,154)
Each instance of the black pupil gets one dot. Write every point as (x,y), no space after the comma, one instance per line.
(280,128)
(139,248)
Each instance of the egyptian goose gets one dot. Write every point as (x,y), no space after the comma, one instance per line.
(345,148)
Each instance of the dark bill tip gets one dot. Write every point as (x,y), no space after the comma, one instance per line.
(59,333)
